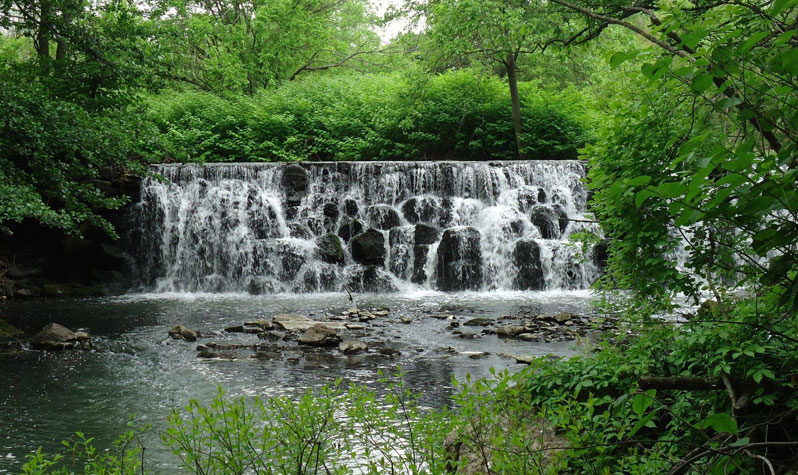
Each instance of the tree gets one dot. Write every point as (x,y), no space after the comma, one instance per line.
(245,45)
(723,178)
(494,33)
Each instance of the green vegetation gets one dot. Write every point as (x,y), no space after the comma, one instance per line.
(688,123)
(457,115)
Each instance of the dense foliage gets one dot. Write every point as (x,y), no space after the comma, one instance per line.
(458,115)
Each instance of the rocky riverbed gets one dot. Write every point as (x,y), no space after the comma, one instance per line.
(261,346)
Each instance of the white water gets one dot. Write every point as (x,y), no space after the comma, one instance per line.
(233,227)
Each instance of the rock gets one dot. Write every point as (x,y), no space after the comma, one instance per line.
(528,337)
(350,207)
(368,248)
(546,220)
(460,260)
(477,322)
(526,259)
(506,331)
(330,210)
(329,250)
(349,228)
(54,337)
(56,290)
(563,317)
(562,217)
(295,183)
(370,279)
(320,335)
(207,354)
(420,209)
(381,313)
(406,320)
(352,311)
(263,323)
(425,234)
(366,316)
(292,322)
(179,332)
(390,352)
(268,336)
(82,336)
(355,326)
(419,264)
(351,347)
(233,329)
(601,254)
(383,217)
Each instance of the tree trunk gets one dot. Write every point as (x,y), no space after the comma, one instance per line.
(515,100)
(43,36)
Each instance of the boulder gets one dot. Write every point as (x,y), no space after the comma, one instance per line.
(425,234)
(526,259)
(506,331)
(179,332)
(292,322)
(563,317)
(370,279)
(368,248)
(460,260)
(601,254)
(351,347)
(477,322)
(320,335)
(420,209)
(383,217)
(55,337)
(263,323)
(546,220)
(329,250)
(295,183)
(350,207)
(295,322)
(330,210)
(349,228)
(419,264)
(562,217)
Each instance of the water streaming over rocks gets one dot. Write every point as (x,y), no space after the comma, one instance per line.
(365,226)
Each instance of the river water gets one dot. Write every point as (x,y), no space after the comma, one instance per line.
(137,369)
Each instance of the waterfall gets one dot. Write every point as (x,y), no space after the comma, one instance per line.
(364,226)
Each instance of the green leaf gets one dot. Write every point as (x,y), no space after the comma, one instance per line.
(752,41)
(641,196)
(620,57)
(639,180)
(720,422)
(672,190)
(641,402)
(789,61)
(702,82)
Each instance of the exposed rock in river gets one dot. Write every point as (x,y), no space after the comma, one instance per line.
(320,335)
(179,332)
(54,337)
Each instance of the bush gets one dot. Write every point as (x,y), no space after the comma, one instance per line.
(457,115)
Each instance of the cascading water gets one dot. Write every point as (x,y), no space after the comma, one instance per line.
(364,226)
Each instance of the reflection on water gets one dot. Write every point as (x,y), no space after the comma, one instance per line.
(137,369)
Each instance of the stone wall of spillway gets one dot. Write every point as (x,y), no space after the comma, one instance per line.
(363,226)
